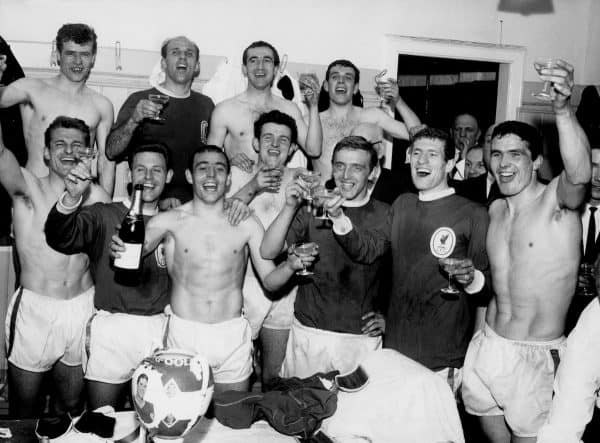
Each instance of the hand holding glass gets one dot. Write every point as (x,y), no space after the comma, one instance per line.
(449,265)
(321,196)
(305,250)
(312,179)
(304,81)
(545,93)
(378,81)
(159,99)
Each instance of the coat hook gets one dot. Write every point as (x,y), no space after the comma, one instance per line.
(118,65)
(53,55)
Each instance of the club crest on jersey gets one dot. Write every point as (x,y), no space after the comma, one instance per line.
(159,254)
(442,242)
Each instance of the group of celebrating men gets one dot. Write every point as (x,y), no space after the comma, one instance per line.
(519,257)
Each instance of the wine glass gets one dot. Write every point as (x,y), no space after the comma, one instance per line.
(304,84)
(321,196)
(312,180)
(449,264)
(159,99)
(304,250)
(85,152)
(378,90)
(546,63)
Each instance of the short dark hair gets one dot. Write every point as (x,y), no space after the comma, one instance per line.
(437,134)
(261,44)
(471,148)
(79,33)
(163,48)
(357,143)
(207,148)
(346,64)
(524,131)
(141,377)
(279,118)
(157,147)
(69,123)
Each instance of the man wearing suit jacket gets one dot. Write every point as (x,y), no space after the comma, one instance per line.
(481,188)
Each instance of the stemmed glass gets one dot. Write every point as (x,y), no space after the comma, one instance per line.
(159,99)
(321,196)
(540,64)
(449,264)
(312,180)
(304,250)
(378,90)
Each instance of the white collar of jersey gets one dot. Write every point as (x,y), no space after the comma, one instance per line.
(357,203)
(165,91)
(436,195)
(149,213)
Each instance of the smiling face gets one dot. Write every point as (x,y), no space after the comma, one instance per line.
(274,144)
(209,176)
(76,60)
(341,84)
(260,67)
(180,62)
(512,165)
(474,164)
(351,171)
(428,166)
(150,170)
(67,147)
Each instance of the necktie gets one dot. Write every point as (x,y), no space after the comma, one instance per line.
(590,243)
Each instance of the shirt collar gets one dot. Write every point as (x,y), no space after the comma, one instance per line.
(436,195)
(150,213)
(357,203)
(165,91)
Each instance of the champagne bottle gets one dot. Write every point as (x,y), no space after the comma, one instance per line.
(128,266)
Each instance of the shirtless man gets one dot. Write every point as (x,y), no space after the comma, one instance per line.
(231,124)
(341,83)
(42,100)
(263,190)
(207,268)
(533,245)
(46,316)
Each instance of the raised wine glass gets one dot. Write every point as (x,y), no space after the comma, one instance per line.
(539,64)
(159,99)
(379,80)
(321,196)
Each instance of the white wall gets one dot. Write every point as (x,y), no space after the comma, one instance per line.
(317,31)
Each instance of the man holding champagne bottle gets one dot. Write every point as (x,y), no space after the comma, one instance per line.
(207,258)
(46,316)
(127,325)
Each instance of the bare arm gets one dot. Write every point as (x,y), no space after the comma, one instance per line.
(15,93)
(11,175)
(274,239)
(273,278)
(309,138)
(218,126)
(106,167)
(574,146)
(156,230)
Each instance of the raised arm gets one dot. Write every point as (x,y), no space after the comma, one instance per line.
(573,143)
(273,278)
(274,239)
(130,116)
(218,126)
(15,93)
(156,229)
(106,167)
(362,245)
(11,175)
(310,138)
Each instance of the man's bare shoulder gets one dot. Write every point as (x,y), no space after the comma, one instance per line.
(285,106)
(30,85)
(369,115)
(101,101)
(252,225)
